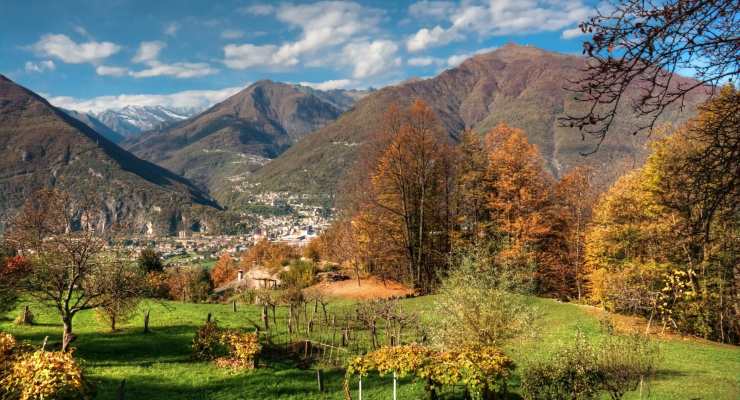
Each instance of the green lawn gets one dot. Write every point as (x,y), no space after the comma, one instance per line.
(157,365)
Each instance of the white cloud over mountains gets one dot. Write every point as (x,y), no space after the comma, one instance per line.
(185,99)
(65,49)
(330,84)
(497,18)
(327,28)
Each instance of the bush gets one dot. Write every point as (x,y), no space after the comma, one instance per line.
(570,374)
(207,344)
(473,309)
(30,375)
(244,349)
(614,366)
(483,370)
(300,274)
(228,348)
(189,284)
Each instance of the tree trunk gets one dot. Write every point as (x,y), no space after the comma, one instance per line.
(67,336)
(112,323)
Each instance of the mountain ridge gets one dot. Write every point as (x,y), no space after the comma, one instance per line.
(47,147)
(518,85)
(238,135)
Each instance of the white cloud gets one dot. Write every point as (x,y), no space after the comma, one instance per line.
(329,85)
(40,66)
(258,9)
(431,9)
(67,50)
(248,55)
(177,70)
(572,33)
(232,34)
(324,26)
(371,58)
(424,61)
(502,17)
(82,31)
(187,99)
(110,71)
(171,29)
(436,36)
(148,54)
(148,51)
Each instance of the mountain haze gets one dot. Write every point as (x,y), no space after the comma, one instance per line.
(45,147)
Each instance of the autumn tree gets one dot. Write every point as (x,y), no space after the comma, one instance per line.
(574,197)
(123,287)
(473,219)
(224,270)
(644,247)
(520,200)
(267,254)
(150,261)
(410,195)
(13,268)
(70,263)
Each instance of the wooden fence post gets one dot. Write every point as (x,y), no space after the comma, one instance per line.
(146,322)
(320,379)
(394,385)
(122,390)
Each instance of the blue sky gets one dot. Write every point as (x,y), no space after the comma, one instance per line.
(99,54)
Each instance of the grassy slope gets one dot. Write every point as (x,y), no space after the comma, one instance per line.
(157,366)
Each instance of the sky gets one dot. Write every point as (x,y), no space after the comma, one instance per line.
(92,55)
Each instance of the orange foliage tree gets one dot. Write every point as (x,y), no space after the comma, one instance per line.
(268,254)
(224,270)
(408,207)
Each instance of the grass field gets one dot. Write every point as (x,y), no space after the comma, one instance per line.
(157,365)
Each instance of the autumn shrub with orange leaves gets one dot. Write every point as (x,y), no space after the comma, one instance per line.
(28,374)
(483,370)
(227,348)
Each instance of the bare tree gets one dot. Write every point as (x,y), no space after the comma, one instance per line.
(637,47)
(70,262)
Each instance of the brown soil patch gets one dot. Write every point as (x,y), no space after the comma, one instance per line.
(369,288)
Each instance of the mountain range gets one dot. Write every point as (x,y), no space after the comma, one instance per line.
(45,147)
(224,144)
(281,137)
(521,86)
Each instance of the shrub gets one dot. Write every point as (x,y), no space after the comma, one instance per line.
(157,285)
(483,370)
(244,349)
(228,348)
(300,274)
(570,374)
(150,261)
(45,375)
(189,284)
(614,366)
(473,309)
(207,344)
